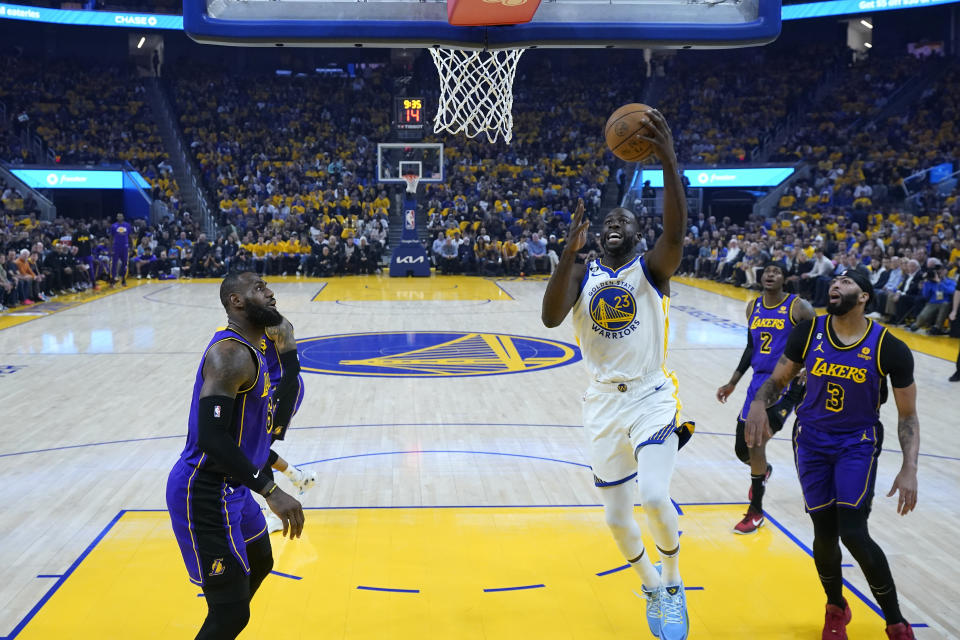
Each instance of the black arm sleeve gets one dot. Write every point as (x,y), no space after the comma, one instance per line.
(797,341)
(286,395)
(215,415)
(896,360)
(747,355)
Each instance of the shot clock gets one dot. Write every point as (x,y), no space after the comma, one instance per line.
(409,118)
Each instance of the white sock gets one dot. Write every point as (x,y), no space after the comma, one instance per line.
(618,503)
(654,469)
(671,567)
(647,572)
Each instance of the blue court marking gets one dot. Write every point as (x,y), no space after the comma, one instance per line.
(89,444)
(417,451)
(867,601)
(49,575)
(148,297)
(440,424)
(56,585)
(36,608)
(359,304)
(322,287)
(846,565)
(413,424)
(676,506)
(201,595)
(332,426)
(502,289)
(286,575)
(614,570)
(529,586)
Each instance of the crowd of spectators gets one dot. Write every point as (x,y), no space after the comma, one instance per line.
(859,161)
(913,261)
(722,109)
(289,161)
(88,115)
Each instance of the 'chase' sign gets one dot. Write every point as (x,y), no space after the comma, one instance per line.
(91,18)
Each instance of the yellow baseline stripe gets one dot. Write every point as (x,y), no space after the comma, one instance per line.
(61,303)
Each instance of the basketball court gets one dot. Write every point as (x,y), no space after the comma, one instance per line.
(454,497)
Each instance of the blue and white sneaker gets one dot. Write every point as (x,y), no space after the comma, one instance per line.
(653,598)
(675,623)
(654,615)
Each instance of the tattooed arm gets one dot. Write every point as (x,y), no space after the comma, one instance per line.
(758,425)
(908,429)
(896,360)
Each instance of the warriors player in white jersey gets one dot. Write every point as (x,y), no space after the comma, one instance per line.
(631,409)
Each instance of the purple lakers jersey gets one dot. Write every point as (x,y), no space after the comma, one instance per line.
(121,232)
(252,411)
(843,382)
(769,329)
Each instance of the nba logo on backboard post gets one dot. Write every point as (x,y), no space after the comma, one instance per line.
(409,219)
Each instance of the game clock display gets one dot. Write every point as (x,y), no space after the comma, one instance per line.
(409,113)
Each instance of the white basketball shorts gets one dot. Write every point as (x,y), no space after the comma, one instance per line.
(621,417)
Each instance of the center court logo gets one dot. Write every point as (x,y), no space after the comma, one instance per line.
(613,308)
(425,354)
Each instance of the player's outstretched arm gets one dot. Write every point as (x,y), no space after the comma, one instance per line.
(724,392)
(757,430)
(663,260)
(563,289)
(908,430)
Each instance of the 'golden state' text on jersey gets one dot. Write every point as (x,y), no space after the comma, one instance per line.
(621,323)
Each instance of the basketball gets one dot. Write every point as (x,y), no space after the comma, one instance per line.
(621,130)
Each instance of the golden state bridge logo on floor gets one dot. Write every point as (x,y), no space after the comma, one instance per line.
(427,354)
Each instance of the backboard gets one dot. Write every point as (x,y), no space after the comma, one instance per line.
(415,23)
(396,159)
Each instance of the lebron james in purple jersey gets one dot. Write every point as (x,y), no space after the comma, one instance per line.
(838,437)
(770,319)
(218,525)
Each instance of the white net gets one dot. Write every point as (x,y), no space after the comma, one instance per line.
(476,92)
(412,181)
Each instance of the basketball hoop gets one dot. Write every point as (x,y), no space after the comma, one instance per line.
(412,181)
(476,91)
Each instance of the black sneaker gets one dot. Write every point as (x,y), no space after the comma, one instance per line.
(956,376)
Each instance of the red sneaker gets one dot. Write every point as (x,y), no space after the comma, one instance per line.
(901,631)
(835,622)
(752,521)
(766,477)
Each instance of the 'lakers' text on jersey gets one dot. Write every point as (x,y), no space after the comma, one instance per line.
(769,329)
(843,382)
(252,411)
(620,320)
